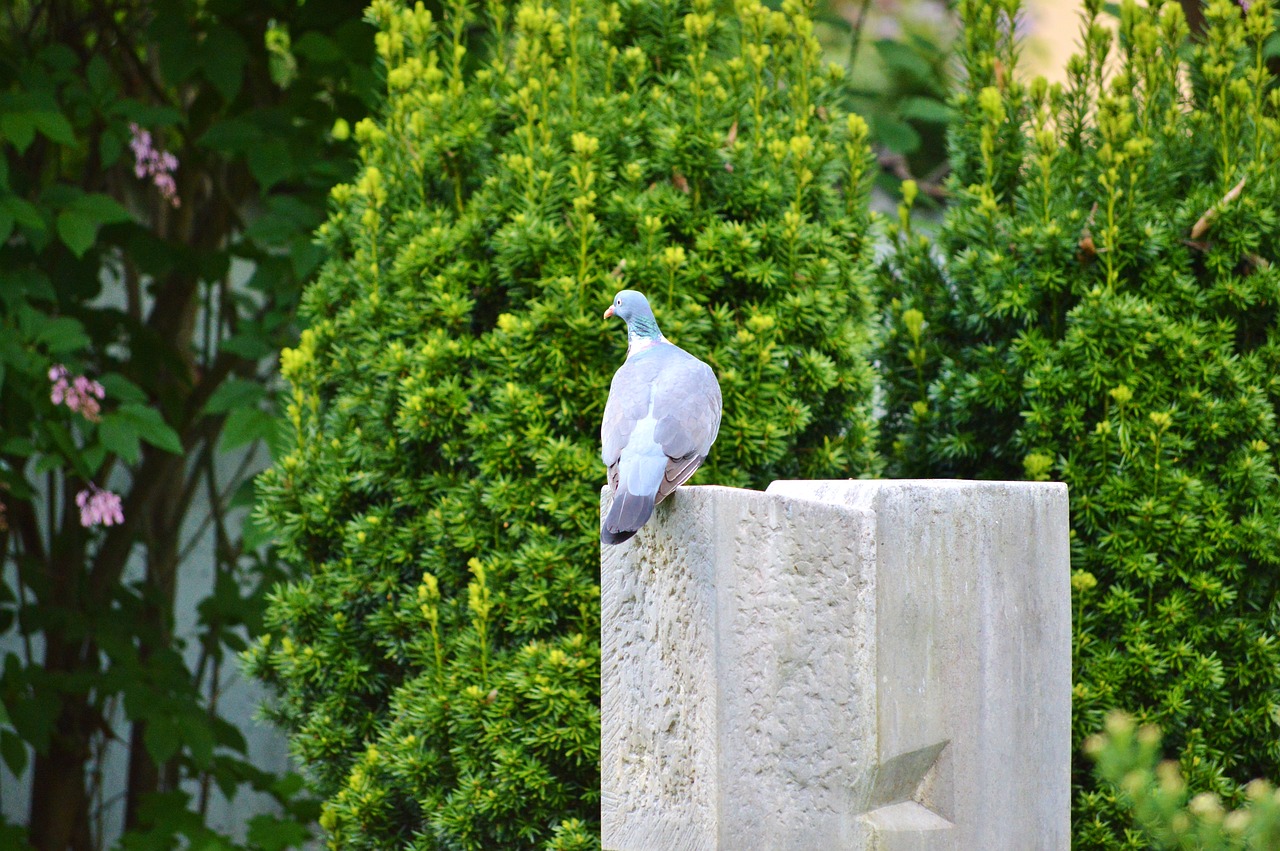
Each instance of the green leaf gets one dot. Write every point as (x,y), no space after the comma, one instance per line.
(19,128)
(93,456)
(48,463)
(244,495)
(234,393)
(175,40)
(271,833)
(147,115)
(20,446)
(58,334)
(284,219)
(25,284)
(104,208)
(23,113)
(14,837)
(305,256)
(77,230)
(288,785)
(98,75)
(199,740)
(1271,47)
(318,47)
(110,147)
(78,224)
(245,425)
(898,136)
(151,427)
(930,110)
(33,719)
(23,211)
(270,163)
(163,737)
(119,437)
(14,751)
(121,430)
(250,343)
(226,734)
(223,57)
(122,389)
(904,61)
(55,127)
(232,136)
(254,533)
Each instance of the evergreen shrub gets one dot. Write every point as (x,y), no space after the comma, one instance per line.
(1100,307)
(437,664)
(1169,816)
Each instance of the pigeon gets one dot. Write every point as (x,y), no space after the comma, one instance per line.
(659,423)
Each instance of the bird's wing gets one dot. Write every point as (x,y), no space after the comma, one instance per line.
(688,408)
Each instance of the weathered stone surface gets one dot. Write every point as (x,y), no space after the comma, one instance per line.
(722,632)
(839,665)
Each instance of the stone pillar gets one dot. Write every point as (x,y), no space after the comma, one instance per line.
(839,665)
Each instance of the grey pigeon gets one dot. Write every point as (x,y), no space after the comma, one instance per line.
(659,423)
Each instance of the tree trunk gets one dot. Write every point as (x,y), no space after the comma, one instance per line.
(161,531)
(59,816)
(1194,13)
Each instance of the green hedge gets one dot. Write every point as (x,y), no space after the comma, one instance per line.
(438,664)
(1105,314)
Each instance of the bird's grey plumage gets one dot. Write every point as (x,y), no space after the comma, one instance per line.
(662,416)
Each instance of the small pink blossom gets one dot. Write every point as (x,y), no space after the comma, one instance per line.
(158,165)
(78,395)
(99,507)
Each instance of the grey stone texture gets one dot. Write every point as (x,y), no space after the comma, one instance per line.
(839,665)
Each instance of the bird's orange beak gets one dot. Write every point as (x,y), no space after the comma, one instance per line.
(608,312)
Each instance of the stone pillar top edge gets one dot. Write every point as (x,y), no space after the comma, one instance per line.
(941,484)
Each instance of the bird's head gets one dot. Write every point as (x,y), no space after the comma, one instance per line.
(629,305)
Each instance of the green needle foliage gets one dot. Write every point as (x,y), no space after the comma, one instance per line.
(1106,315)
(439,665)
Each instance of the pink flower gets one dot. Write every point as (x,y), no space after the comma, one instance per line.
(58,375)
(158,165)
(99,507)
(80,395)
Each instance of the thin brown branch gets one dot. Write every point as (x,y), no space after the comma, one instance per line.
(1194,12)
(858,25)
(1202,224)
(236,478)
(22,518)
(897,165)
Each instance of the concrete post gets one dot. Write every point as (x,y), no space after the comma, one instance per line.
(839,665)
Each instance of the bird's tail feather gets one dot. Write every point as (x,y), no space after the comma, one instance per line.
(627,514)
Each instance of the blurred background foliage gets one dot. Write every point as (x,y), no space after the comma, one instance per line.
(901,72)
(1167,814)
(163,165)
